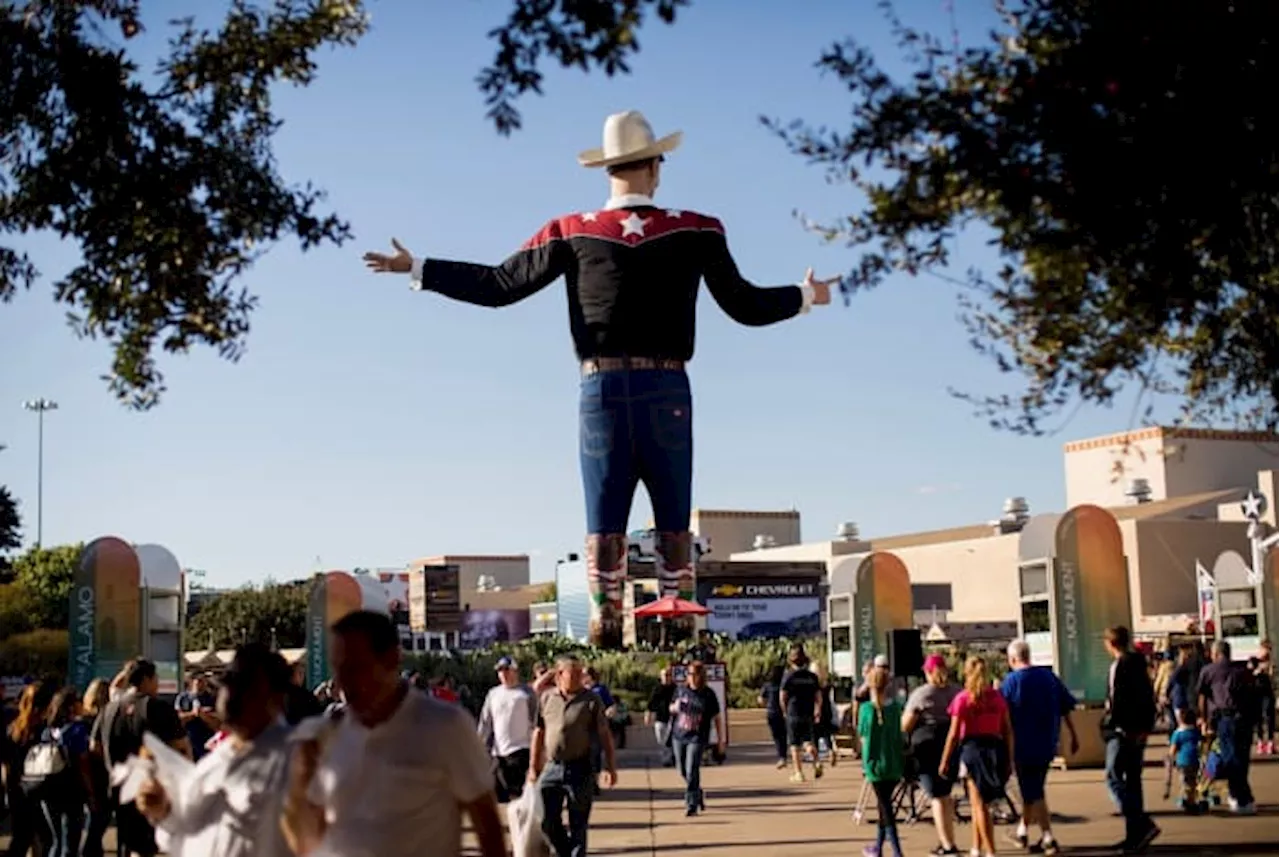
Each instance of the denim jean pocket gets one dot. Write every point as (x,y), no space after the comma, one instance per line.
(596,427)
(672,425)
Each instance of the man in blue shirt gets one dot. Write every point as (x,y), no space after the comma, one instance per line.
(1039,705)
(196,713)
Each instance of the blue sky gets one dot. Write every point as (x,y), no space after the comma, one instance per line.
(368,425)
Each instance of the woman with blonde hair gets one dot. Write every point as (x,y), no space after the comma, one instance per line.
(96,698)
(880,732)
(981,730)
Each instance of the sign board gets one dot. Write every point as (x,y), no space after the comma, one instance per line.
(484,628)
(106,610)
(881,604)
(717,678)
(435,599)
(763,609)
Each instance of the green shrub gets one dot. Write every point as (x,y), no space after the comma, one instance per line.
(42,652)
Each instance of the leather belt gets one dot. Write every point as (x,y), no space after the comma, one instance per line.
(594,365)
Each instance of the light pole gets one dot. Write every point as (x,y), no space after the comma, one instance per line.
(40,406)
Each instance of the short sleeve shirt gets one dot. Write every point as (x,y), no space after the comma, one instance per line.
(979,718)
(1037,700)
(1186,745)
(132,715)
(930,703)
(801,687)
(569,723)
(695,711)
(397,790)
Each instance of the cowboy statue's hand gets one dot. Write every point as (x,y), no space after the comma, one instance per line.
(401,262)
(821,288)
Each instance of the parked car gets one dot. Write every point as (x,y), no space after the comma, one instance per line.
(643,545)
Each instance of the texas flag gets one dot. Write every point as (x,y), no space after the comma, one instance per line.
(1205,588)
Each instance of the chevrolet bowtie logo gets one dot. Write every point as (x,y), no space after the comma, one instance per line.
(727,589)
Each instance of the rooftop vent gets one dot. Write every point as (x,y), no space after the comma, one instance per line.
(847,532)
(764,541)
(1139,490)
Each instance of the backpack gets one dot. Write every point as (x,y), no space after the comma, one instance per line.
(44,763)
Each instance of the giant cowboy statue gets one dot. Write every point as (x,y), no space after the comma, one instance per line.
(631,272)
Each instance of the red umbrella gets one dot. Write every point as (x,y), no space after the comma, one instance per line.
(670,607)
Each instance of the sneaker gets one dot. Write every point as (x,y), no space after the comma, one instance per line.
(782,763)
(941,850)
(1017,837)
(1049,846)
(797,777)
(871,851)
(1244,809)
(690,812)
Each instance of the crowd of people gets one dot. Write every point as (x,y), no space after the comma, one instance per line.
(343,772)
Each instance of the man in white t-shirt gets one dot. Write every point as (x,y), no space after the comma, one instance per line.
(392,774)
(506,726)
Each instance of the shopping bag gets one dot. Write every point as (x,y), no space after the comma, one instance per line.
(524,820)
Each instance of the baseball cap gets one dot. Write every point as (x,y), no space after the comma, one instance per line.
(934,662)
(881,661)
(504,663)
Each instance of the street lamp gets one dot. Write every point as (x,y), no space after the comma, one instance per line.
(40,406)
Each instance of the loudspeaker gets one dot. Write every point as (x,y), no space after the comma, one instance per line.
(906,652)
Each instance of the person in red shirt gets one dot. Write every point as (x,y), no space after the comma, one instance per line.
(442,689)
(981,729)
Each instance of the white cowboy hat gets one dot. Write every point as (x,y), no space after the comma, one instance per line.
(628,137)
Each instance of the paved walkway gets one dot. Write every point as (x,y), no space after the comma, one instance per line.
(753,811)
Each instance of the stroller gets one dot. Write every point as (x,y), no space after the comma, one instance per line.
(1210,785)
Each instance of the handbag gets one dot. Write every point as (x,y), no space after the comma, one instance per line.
(524,819)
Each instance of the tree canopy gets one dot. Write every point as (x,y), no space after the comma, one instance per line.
(45,576)
(10,532)
(252,614)
(166,181)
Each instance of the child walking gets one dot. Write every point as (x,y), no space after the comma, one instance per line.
(880,731)
(1184,753)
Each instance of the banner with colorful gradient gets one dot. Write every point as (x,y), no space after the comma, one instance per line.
(334,594)
(881,603)
(1090,594)
(106,610)
(1270,594)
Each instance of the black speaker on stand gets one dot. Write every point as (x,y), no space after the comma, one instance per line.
(906,653)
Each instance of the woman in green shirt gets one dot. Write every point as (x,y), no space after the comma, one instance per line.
(880,730)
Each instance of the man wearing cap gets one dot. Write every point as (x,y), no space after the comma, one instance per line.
(631,272)
(507,718)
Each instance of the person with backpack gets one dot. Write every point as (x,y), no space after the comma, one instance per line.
(119,732)
(22,735)
(59,775)
(880,732)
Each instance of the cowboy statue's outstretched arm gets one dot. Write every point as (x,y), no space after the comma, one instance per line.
(750,304)
(540,262)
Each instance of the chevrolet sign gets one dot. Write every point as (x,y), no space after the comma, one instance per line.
(807,589)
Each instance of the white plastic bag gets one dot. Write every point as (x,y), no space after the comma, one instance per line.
(524,820)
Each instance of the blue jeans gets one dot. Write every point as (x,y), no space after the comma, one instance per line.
(636,426)
(1235,740)
(66,823)
(689,763)
(1124,781)
(567,786)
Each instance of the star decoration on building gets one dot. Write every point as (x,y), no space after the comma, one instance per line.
(588,217)
(634,224)
(1252,505)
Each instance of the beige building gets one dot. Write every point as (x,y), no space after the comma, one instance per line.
(1188,511)
(503,572)
(732,531)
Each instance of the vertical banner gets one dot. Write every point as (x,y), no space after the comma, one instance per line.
(1091,593)
(1270,594)
(881,603)
(106,610)
(334,594)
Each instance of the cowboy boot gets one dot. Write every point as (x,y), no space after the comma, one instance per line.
(606,578)
(675,565)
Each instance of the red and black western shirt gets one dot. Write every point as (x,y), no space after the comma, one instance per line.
(631,272)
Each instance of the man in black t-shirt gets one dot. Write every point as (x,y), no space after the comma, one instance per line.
(693,710)
(799,697)
(119,733)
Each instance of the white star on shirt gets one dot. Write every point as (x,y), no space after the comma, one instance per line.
(589,217)
(634,224)
(671,212)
